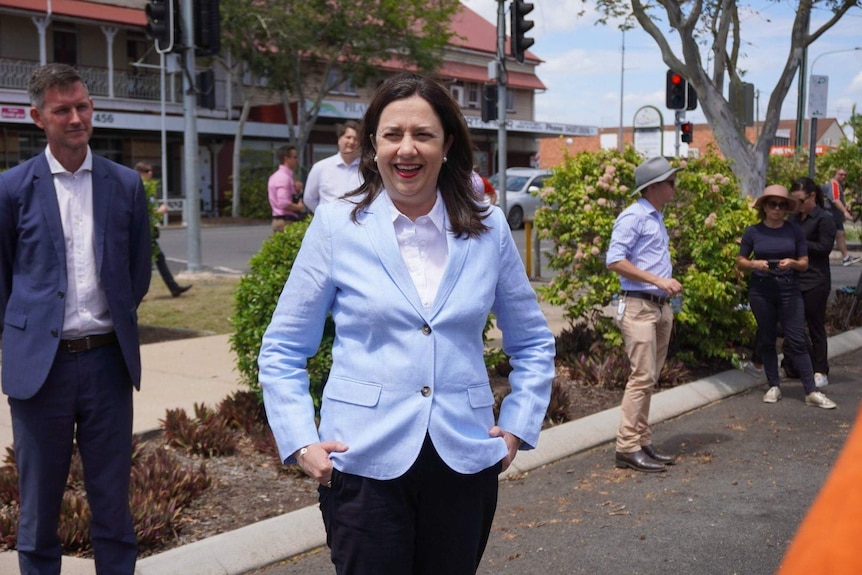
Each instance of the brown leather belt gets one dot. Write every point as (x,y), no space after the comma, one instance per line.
(657,299)
(88,343)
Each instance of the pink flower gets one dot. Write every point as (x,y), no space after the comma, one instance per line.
(710,220)
(595,251)
(597,240)
(588,208)
(602,202)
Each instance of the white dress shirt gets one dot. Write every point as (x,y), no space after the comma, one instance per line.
(86,306)
(329,179)
(423,247)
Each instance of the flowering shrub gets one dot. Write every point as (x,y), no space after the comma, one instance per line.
(705,222)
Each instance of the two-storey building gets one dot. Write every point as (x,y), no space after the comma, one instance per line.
(138,94)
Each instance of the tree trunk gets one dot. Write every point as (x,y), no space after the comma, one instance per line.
(237,155)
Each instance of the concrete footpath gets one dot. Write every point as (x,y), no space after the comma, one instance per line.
(182,373)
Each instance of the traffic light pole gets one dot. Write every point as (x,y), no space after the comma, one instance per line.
(679,118)
(190,142)
(501,104)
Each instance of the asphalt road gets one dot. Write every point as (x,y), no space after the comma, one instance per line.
(228,249)
(746,475)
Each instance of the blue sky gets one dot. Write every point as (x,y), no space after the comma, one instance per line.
(582,62)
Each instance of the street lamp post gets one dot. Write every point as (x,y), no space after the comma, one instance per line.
(812,124)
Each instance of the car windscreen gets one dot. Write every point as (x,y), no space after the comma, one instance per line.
(513,183)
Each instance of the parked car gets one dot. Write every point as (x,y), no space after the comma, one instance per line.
(522,193)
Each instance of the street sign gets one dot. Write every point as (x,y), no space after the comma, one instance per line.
(818,87)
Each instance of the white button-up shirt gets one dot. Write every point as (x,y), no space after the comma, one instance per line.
(86,306)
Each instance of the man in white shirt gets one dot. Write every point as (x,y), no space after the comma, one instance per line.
(336,175)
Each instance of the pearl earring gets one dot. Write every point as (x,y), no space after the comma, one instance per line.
(445,159)
(375,158)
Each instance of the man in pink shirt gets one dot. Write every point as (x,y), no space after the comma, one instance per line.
(285,193)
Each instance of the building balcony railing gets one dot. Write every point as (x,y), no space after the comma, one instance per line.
(134,85)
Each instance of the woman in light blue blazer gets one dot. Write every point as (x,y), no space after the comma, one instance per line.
(407,451)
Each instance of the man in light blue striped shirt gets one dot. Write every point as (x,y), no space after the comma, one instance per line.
(639,253)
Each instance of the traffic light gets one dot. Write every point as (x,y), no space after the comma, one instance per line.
(691,95)
(676,92)
(687,131)
(206,89)
(207,27)
(163,24)
(489,102)
(520,26)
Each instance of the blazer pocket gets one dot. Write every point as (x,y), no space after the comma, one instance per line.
(480,395)
(352,391)
(15,319)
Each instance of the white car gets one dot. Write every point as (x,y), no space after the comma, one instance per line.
(522,193)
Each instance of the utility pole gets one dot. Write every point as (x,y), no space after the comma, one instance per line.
(190,142)
(501,104)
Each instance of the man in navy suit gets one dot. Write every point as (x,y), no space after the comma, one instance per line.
(74,265)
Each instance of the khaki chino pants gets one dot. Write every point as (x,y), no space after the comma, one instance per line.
(646,328)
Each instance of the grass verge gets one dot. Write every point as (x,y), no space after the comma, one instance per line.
(206,307)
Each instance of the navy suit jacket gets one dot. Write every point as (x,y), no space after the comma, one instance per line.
(33,275)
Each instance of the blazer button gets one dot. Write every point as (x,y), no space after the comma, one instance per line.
(54,333)
(425,391)
(426,329)
(61,295)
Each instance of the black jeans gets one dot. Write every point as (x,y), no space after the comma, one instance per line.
(778,299)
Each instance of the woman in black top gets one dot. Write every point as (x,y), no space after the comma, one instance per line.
(780,253)
(818,227)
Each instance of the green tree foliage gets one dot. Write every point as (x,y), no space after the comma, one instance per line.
(255,299)
(306,50)
(151,187)
(705,222)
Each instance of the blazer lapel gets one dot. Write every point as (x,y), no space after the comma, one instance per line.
(381,235)
(103,192)
(43,186)
(456,259)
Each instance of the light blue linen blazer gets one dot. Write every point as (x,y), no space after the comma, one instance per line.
(388,348)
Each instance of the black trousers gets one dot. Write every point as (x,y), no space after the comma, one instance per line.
(430,521)
(775,300)
(164,270)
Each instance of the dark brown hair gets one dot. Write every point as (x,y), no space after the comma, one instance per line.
(341,129)
(48,76)
(809,186)
(465,214)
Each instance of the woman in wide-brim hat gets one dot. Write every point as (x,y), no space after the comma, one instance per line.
(774,251)
(775,194)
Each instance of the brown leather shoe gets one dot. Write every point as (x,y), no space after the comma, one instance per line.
(638,461)
(665,458)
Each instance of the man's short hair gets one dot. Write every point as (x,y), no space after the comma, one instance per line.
(143,168)
(283,152)
(341,129)
(50,76)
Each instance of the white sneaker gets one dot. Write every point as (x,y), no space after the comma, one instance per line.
(773,395)
(820,380)
(849,261)
(817,399)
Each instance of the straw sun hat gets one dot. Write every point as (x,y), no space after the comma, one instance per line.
(776,191)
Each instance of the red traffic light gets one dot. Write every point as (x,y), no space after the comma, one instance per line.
(686,132)
(676,91)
